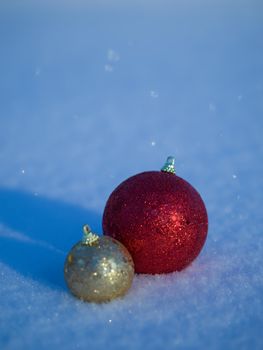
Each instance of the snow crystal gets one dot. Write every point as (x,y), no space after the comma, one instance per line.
(212,107)
(108,68)
(113,56)
(154,94)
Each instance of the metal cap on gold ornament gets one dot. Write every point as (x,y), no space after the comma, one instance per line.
(98,268)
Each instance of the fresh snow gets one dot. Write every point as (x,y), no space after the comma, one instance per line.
(92,93)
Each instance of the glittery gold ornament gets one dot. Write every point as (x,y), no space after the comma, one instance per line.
(98,268)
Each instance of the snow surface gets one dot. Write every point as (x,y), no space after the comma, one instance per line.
(94,92)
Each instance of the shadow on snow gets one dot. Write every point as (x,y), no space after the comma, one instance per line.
(46,230)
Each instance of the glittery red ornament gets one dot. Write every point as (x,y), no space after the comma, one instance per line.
(160,218)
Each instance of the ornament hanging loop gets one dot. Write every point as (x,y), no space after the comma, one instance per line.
(88,237)
(169,165)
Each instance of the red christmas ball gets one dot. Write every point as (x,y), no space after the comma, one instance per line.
(160,218)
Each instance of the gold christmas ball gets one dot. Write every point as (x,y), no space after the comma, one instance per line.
(98,268)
